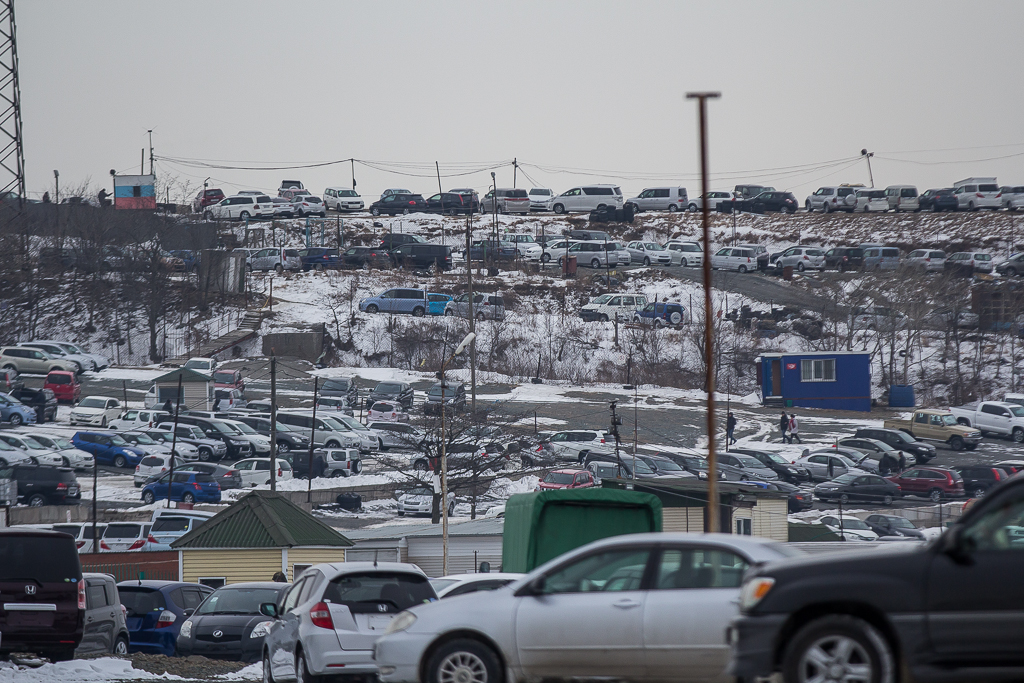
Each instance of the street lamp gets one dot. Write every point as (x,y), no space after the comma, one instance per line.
(459,350)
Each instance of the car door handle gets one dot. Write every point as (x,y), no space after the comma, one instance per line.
(626,604)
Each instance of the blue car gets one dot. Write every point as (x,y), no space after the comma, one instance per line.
(320,258)
(397,301)
(14,411)
(189,257)
(436,303)
(661,313)
(108,448)
(155,611)
(188,487)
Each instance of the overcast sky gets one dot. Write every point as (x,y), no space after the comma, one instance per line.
(591,86)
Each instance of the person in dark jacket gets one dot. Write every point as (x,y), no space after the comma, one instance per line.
(730,427)
(887,465)
(903,462)
(169,407)
(784,426)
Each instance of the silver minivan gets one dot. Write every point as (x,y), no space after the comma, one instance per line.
(881,258)
(276,258)
(902,198)
(485,307)
(669,199)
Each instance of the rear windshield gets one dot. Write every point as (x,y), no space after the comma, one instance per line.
(122,531)
(23,558)
(138,600)
(58,379)
(908,192)
(172,523)
(224,377)
(518,193)
(988,188)
(238,600)
(598,190)
(366,593)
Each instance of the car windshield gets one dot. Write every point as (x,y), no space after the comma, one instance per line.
(352,423)
(238,600)
(666,465)
(335,424)
(32,444)
(750,461)
(368,591)
(449,390)
(60,443)
(165,524)
(559,478)
(603,299)
(853,523)
(141,438)
(117,440)
(224,428)
(138,600)
(420,491)
(244,428)
(93,403)
(901,523)
(949,420)
(388,388)
(224,377)
(775,457)
(1017,411)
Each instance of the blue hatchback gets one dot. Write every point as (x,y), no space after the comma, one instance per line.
(437,302)
(155,611)
(188,487)
(108,448)
(14,411)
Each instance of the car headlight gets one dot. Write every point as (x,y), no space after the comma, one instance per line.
(261,629)
(702,475)
(186,629)
(400,623)
(754,591)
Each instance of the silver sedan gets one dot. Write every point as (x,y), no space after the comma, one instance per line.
(635,607)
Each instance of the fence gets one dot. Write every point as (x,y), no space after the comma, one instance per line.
(161,566)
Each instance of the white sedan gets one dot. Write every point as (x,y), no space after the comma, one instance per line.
(256,471)
(70,456)
(95,411)
(32,448)
(852,528)
(634,607)
(460,584)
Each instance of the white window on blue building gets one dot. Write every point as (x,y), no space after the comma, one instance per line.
(818,370)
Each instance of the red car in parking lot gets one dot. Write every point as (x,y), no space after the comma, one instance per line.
(64,385)
(566,479)
(206,198)
(932,482)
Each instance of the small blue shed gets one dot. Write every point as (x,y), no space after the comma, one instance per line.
(839,380)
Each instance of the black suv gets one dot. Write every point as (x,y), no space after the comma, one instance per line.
(422,256)
(950,610)
(392,240)
(41,578)
(901,441)
(40,485)
(238,447)
(393,392)
(588,235)
(787,471)
(448,203)
(43,401)
(978,479)
(453,395)
(399,203)
(943,199)
(341,387)
(844,258)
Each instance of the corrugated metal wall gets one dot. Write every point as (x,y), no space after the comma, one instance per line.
(426,553)
(258,564)
(682,519)
(768,518)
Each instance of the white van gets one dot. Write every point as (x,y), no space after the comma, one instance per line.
(587,198)
(902,198)
(669,199)
(977,193)
(342,199)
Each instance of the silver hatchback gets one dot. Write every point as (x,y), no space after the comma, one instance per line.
(327,623)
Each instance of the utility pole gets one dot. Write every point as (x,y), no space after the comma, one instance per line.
(312,434)
(273,423)
(616,421)
(713,524)
(472,318)
(867,156)
(515,169)
(174,444)
(440,196)
(150,151)
(353,162)
(636,413)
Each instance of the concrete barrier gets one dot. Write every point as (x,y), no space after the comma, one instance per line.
(305,345)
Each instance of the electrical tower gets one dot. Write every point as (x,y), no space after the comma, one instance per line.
(12,155)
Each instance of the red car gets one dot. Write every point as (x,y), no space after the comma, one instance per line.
(206,198)
(933,482)
(64,385)
(229,379)
(566,479)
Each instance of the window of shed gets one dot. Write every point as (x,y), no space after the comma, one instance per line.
(818,370)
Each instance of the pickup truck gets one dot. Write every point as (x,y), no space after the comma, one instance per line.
(938,425)
(998,417)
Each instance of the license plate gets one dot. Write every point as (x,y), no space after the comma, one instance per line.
(378,621)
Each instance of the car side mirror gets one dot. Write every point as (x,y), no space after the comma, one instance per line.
(188,612)
(533,588)
(958,548)
(269,609)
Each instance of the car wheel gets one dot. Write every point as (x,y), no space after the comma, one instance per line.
(244,216)
(283,447)
(956,443)
(839,647)
(120,462)
(1018,435)
(464,661)
(279,269)
(647,262)
(826,208)
(103,422)
(205,454)
(338,473)
(121,647)
(375,211)
(742,269)
(405,212)
(268,674)
(800,267)
(372,308)
(15,420)
(37,501)
(332,444)
(480,315)
(886,500)
(420,466)
(935,495)
(1011,272)
(148,497)
(595,264)
(558,208)
(978,492)
(657,322)
(64,462)
(526,461)
(603,318)
(672,208)
(970,206)
(302,674)
(844,499)
(545,258)
(188,498)
(418,312)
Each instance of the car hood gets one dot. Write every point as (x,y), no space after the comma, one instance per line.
(228,623)
(88,411)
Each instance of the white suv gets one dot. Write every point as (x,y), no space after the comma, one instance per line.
(342,199)
(526,245)
(587,198)
(692,254)
(613,306)
(572,445)
(240,206)
(539,198)
(832,198)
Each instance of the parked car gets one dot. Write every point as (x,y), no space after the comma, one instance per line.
(690,253)
(505,200)
(844,258)
(566,479)
(766,202)
(419,501)
(977,193)
(342,199)
(386,411)
(926,260)
(485,307)
(824,466)
(1012,266)
(922,452)
(398,435)
(80,361)
(422,256)
(447,203)
(64,386)
(319,258)
(665,467)
(851,607)
(241,207)
(801,258)
(848,528)
(238,443)
(277,259)
(714,200)
(532,625)
(365,258)
(969,262)
(787,471)
(902,198)
(540,198)
(15,412)
(156,610)
(935,483)
(605,466)
(147,444)
(341,387)
(206,198)
(832,198)
(877,318)
(324,430)
(187,487)
(622,307)
(401,203)
(1012,196)
(391,240)
(871,201)
(123,537)
(108,449)
(58,591)
(256,471)
(942,199)
(669,199)
(661,313)
(574,444)
(167,529)
(397,392)
(979,479)
(648,253)
(587,198)
(227,477)
(229,625)
(9,380)
(43,401)
(337,462)
(40,485)
(460,584)
(750,468)
(597,254)
(893,525)
(95,410)
(740,259)
(206,448)
(28,361)
(62,450)
(309,205)
(152,466)
(859,487)
(451,394)
(937,425)
(288,439)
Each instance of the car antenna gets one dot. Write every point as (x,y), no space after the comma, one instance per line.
(375,551)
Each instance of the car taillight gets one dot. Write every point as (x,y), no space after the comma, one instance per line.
(978,194)
(999,475)
(196,486)
(137,544)
(280,472)
(320,615)
(151,539)
(165,619)
(230,473)
(412,203)
(79,544)
(104,546)
(81,594)
(62,486)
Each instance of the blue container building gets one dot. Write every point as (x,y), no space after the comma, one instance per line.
(836,380)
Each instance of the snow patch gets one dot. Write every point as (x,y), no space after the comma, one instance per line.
(103,669)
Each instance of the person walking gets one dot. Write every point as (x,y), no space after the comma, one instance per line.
(784,426)
(169,407)
(794,429)
(887,465)
(903,462)
(730,427)
(280,577)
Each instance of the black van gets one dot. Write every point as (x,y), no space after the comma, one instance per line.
(44,594)
(40,485)
(423,256)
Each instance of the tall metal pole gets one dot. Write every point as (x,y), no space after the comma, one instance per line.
(312,433)
(867,155)
(150,151)
(713,524)
(444,480)
(353,162)
(273,423)
(174,439)
(472,319)
(12,155)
